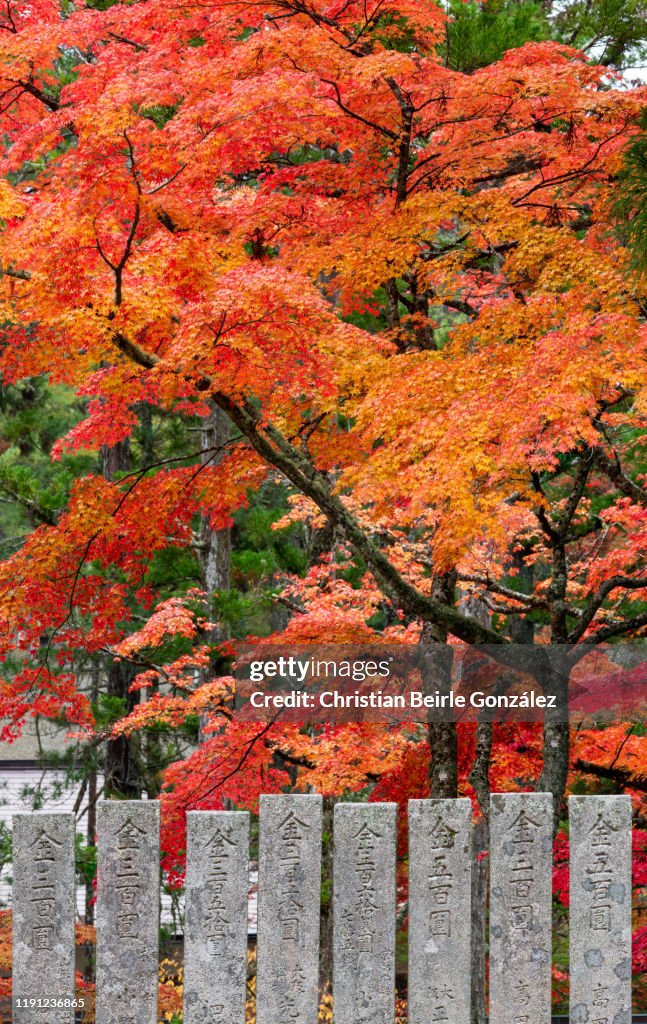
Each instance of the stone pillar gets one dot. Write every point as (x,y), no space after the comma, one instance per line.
(440,897)
(128,898)
(215,929)
(43,918)
(364,908)
(600,909)
(521,908)
(289,899)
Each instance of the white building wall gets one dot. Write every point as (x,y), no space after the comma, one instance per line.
(19,784)
(24,786)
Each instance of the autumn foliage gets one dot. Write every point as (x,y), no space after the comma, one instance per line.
(402,286)
(218,187)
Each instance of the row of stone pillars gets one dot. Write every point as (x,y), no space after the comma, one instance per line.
(365,906)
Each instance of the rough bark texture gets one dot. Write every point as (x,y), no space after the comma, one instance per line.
(92,838)
(479,919)
(122,779)
(437,659)
(522,630)
(480,773)
(443,774)
(215,545)
(116,459)
(480,780)
(556,746)
(556,741)
(121,776)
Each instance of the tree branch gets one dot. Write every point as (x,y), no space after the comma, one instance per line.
(39,94)
(616,629)
(498,588)
(276,450)
(623,776)
(612,468)
(598,598)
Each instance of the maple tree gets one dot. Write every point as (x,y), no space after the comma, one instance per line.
(389,276)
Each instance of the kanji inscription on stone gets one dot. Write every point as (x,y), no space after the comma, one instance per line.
(600,909)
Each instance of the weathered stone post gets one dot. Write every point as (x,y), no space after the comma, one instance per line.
(440,856)
(289,897)
(128,892)
(215,927)
(521,884)
(600,909)
(43,918)
(364,911)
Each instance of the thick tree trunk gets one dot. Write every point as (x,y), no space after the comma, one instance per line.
(480,779)
(121,776)
(522,630)
(555,676)
(443,770)
(146,433)
(436,668)
(115,460)
(480,865)
(556,740)
(214,545)
(92,839)
(437,664)
(556,751)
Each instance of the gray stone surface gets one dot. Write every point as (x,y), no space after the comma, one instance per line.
(440,900)
(289,897)
(364,911)
(127,911)
(43,915)
(215,928)
(600,909)
(521,848)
